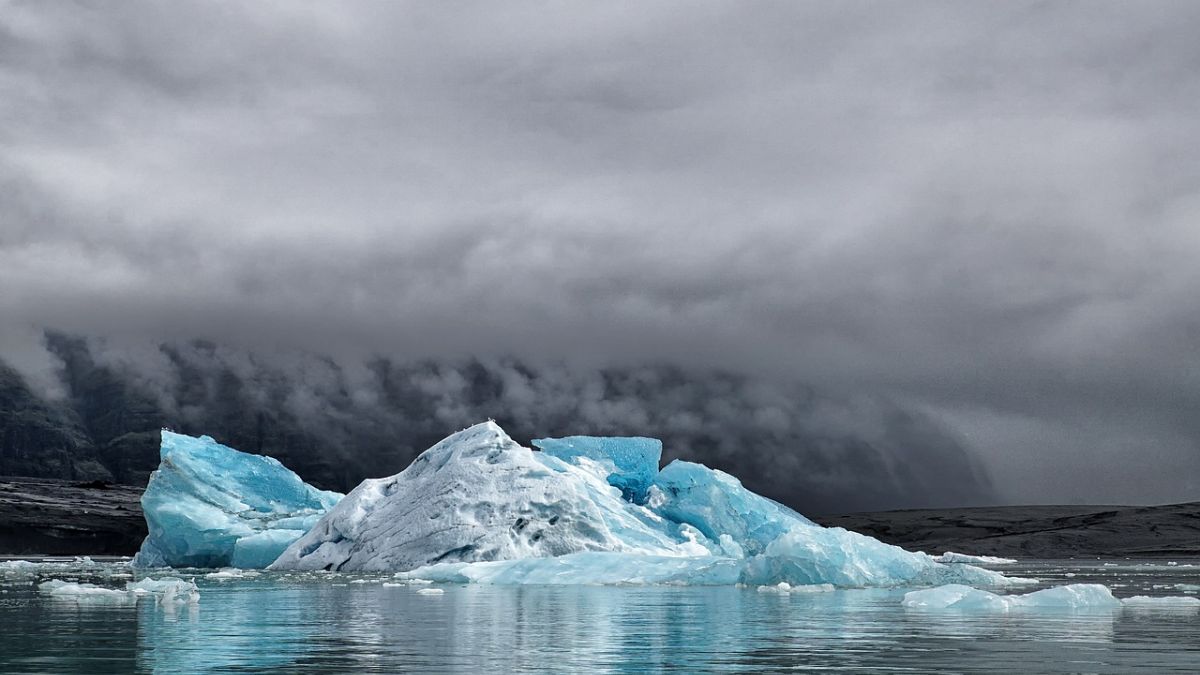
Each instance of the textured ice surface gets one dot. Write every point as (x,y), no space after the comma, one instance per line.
(208,505)
(479,496)
(959,597)
(952,557)
(90,593)
(1181,603)
(715,503)
(782,545)
(589,568)
(478,507)
(165,591)
(630,463)
(1076,597)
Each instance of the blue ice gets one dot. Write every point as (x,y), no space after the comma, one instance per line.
(634,459)
(209,505)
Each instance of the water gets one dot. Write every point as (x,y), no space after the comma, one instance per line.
(318,623)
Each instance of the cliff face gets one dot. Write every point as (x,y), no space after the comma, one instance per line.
(54,517)
(42,439)
(336,424)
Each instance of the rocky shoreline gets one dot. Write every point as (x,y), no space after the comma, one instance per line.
(57,517)
(1037,531)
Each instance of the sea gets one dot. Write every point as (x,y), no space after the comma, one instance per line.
(363,623)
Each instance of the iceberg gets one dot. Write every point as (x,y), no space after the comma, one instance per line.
(632,462)
(480,508)
(208,505)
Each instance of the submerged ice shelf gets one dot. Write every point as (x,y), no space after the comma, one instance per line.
(208,505)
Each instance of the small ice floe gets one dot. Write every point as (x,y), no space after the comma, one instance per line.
(86,593)
(785,587)
(168,591)
(227,573)
(430,591)
(1163,604)
(963,558)
(959,597)
(18,567)
(1075,597)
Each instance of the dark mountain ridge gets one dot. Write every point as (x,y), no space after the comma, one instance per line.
(336,424)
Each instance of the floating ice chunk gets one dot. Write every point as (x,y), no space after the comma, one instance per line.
(479,496)
(208,505)
(86,593)
(785,587)
(167,590)
(952,557)
(1172,603)
(227,573)
(18,568)
(959,597)
(632,461)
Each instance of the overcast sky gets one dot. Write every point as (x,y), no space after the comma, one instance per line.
(989,211)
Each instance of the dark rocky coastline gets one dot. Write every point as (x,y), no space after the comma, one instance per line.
(56,517)
(1037,531)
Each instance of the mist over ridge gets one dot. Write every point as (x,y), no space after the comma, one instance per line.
(336,423)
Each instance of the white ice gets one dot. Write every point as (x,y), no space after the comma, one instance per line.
(479,496)
(1076,597)
(165,591)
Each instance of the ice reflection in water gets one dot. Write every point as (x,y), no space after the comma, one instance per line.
(326,623)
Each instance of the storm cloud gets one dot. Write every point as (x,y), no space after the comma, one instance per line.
(989,213)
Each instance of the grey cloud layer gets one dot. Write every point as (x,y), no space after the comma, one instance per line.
(986,210)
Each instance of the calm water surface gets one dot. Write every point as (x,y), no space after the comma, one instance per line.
(321,623)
